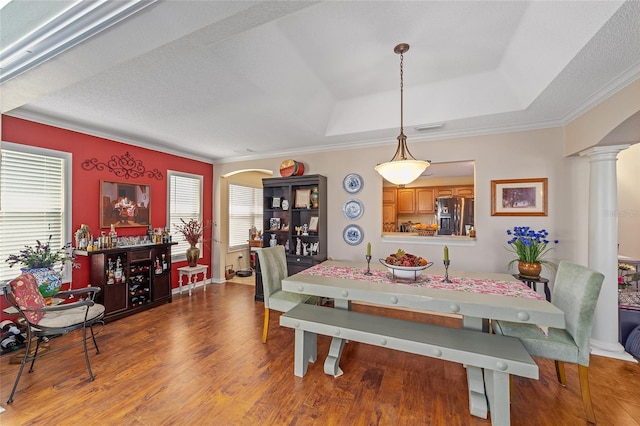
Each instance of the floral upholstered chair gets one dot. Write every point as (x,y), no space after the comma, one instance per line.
(46,321)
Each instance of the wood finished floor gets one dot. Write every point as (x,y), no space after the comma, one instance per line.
(201,361)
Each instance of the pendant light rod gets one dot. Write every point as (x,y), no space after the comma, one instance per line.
(403,167)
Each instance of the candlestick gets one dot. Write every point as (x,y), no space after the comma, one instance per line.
(446,271)
(446,253)
(368,257)
(369,249)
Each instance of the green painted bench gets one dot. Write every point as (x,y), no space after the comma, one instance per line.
(498,355)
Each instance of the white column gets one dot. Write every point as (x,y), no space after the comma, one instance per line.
(603,247)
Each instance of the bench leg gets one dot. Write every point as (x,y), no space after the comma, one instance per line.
(475,381)
(331,364)
(497,383)
(477,397)
(306,351)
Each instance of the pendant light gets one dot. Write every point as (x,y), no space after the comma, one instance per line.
(403,167)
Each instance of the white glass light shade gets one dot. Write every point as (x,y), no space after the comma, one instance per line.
(402,172)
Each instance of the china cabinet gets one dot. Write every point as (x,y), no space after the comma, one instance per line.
(295,216)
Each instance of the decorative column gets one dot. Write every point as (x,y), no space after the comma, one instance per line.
(603,247)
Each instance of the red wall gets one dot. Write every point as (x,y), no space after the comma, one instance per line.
(86,183)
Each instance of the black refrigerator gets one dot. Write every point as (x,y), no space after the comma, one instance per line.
(454,215)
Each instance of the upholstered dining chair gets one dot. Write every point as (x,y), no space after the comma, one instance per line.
(273,266)
(575,292)
(44,321)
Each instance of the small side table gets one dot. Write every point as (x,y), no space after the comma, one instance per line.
(191,273)
(532,283)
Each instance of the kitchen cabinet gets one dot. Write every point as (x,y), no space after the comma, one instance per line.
(389,218)
(406,201)
(464,191)
(388,195)
(424,200)
(454,191)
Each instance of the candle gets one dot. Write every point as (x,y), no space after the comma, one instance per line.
(368,249)
(446,253)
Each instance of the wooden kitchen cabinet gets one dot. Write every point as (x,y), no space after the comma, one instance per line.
(406,200)
(388,195)
(454,191)
(464,191)
(444,191)
(424,200)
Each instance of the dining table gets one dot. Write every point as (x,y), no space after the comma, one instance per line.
(477,297)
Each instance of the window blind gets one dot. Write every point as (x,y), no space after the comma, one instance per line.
(185,202)
(245,211)
(32,203)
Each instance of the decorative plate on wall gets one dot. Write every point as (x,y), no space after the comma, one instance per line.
(352,183)
(353,235)
(353,209)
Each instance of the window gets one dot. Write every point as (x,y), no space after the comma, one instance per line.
(34,183)
(245,212)
(185,202)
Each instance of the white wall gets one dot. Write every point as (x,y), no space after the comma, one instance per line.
(628,171)
(529,154)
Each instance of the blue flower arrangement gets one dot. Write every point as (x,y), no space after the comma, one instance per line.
(530,246)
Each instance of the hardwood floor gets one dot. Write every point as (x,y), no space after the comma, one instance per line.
(200,360)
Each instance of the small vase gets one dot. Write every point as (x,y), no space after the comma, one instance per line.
(314,197)
(49,280)
(193,254)
(529,270)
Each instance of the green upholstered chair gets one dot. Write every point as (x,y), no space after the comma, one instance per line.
(273,265)
(575,291)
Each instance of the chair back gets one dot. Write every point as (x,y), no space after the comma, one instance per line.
(576,291)
(23,294)
(273,266)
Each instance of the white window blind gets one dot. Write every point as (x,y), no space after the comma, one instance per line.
(33,204)
(245,211)
(185,202)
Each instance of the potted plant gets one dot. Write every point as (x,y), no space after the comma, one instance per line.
(192,232)
(530,248)
(42,261)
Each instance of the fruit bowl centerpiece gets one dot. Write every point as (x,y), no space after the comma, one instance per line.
(405,265)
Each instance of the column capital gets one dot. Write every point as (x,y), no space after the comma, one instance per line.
(604,152)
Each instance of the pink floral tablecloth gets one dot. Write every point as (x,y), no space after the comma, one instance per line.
(471,285)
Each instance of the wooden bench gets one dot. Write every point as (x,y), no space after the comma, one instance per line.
(498,355)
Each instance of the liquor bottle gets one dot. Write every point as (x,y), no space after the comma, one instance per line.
(117,275)
(110,274)
(165,266)
(158,266)
(113,236)
(150,234)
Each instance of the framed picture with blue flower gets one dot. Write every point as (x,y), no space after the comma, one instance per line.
(519,197)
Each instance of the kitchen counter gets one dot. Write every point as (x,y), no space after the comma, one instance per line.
(414,238)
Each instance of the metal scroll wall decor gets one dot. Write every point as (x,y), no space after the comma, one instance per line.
(124,166)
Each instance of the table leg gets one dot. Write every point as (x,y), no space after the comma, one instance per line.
(180,283)
(204,283)
(475,381)
(191,283)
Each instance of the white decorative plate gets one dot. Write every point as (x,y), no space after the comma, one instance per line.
(353,209)
(353,235)
(285,205)
(352,183)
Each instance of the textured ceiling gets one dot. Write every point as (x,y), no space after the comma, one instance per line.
(225,80)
